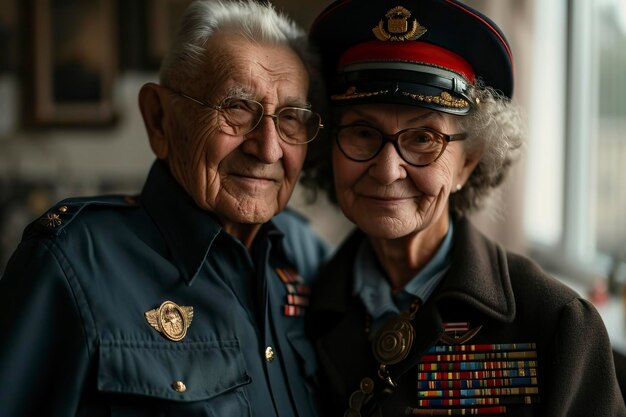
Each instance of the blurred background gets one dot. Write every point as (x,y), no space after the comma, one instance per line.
(70,71)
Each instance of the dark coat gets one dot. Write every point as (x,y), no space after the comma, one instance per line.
(75,337)
(509,296)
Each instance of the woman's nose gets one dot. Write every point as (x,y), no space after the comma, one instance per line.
(388,167)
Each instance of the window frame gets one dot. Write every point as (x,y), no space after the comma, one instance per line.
(574,254)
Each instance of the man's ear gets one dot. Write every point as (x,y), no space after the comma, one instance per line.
(151,104)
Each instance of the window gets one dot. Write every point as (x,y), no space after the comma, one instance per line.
(575,210)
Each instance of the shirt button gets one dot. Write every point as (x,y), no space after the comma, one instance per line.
(179,386)
(269,354)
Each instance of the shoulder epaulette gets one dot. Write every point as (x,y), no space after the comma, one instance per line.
(55,219)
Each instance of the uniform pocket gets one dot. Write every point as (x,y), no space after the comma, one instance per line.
(167,379)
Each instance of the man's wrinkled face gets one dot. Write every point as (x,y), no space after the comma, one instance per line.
(242,179)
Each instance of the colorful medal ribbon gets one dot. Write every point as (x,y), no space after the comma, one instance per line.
(298,293)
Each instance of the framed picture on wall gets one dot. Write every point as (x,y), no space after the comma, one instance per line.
(73,62)
(146,29)
(8,36)
(163,19)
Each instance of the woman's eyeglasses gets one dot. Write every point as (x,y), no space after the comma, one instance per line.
(418,146)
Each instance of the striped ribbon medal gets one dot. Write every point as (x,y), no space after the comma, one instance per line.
(480,379)
(298,293)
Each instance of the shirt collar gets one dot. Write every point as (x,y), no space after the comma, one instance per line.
(188,230)
(424,283)
(478,277)
(371,285)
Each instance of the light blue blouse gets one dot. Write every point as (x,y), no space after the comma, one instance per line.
(380,300)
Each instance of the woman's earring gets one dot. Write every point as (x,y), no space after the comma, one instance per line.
(459,187)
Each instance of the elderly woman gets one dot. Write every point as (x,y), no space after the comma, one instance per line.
(418,313)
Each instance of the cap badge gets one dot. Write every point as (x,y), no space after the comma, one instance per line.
(170,319)
(398,26)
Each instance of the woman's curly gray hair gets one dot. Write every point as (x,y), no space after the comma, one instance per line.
(494,128)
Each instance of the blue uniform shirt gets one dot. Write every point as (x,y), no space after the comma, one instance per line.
(372,287)
(76,339)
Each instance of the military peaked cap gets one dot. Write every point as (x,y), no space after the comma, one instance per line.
(418,52)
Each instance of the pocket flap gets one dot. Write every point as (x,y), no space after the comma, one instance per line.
(149,368)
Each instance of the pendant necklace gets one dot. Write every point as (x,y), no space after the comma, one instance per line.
(391,345)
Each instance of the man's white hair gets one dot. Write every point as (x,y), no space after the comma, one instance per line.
(206,18)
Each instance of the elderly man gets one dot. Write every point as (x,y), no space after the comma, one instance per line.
(188,300)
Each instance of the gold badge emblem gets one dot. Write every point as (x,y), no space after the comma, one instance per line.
(398,26)
(394,340)
(51,220)
(171,320)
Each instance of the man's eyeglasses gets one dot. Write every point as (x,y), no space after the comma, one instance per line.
(239,116)
(418,147)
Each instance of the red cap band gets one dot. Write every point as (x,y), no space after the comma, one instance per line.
(417,52)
